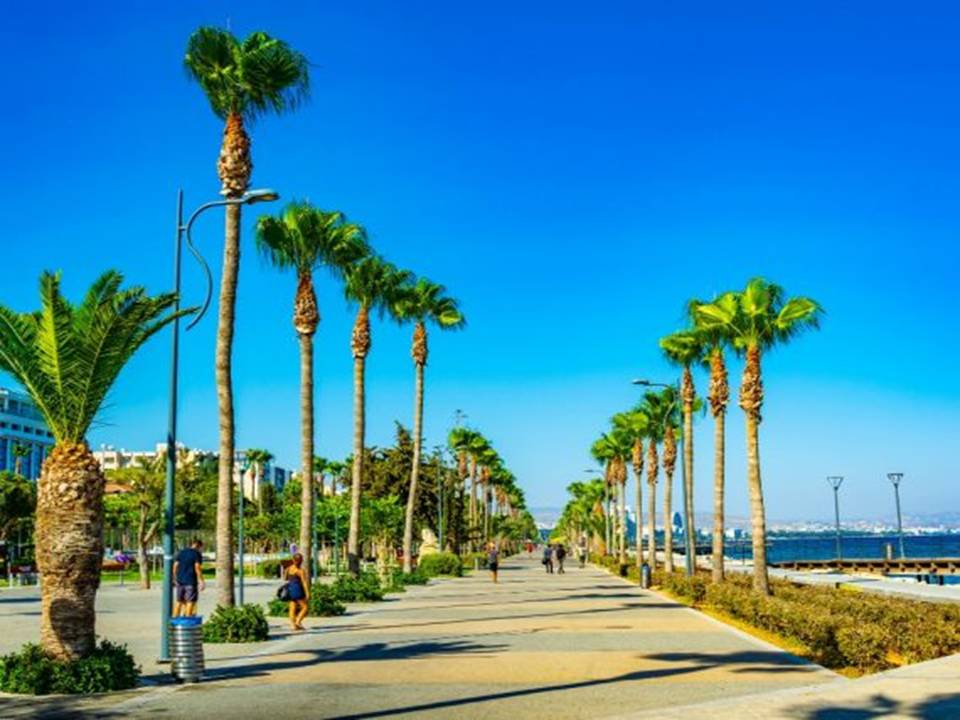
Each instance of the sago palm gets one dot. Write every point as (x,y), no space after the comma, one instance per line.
(242,80)
(718,396)
(756,320)
(373,284)
(302,239)
(67,357)
(421,303)
(685,349)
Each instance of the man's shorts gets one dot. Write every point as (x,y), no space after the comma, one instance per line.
(187,593)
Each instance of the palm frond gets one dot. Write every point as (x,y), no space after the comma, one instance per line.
(67,358)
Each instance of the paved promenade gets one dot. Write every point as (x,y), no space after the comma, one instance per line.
(579,645)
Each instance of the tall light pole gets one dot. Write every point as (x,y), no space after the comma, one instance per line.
(240,503)
(249,198)
(690,542)
(835,482)
(895,478)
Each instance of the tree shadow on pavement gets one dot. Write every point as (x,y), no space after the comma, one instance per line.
(524,692)
(765,661)
(936,707)
(296,658)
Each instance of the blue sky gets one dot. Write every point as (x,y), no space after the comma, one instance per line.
(573,175)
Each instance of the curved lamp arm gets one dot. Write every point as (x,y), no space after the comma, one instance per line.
(248,198)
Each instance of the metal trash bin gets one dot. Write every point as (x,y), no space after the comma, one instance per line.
(645,576)
(186,648)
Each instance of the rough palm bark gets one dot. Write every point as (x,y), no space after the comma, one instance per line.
(69,543)
(638,476)
(689,396)
(622,484)
(306,317)
(751,401)
(669,465)
(234,167)
(419,354)
(146,532)
(653,466)
(719,397)
(360,345)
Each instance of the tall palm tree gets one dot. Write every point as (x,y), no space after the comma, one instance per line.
(304,238)
(477,446)
(421,303)
(718,396)
(603,452)
(459,442)
(684,349)
(258,459)
(19,453)
(635,425)
(373,284)
(755,321)
(242,80)
(661,411)
(67,357)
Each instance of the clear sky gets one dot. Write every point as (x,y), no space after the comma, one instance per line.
(573,173)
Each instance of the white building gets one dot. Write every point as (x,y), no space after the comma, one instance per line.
(112,459)
(22,426)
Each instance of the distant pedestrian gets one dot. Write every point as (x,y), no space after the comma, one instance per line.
(188,577)
(561,554)
(493,557)
(582,553)
(548,558)
(297,592)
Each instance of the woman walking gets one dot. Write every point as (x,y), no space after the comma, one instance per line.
(548,558)
(493,557)
(299,594)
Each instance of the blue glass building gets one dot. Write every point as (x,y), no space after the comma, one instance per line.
(21,424)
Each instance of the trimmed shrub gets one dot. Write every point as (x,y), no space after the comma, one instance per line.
(243,624)
(442,563)
(417,577)
(31,671)
(323,602)
(365,588)
(478,559)
(271,569)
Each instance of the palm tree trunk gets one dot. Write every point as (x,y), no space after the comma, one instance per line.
(638,476)
(414,471)
(306,453)
(668,521)
(751,400)
(622,489)
(690,532)
(359,419)
(224,351)
(719,450)
(606,518)
(69,548)
(653,465)
(142,550)
(473,505)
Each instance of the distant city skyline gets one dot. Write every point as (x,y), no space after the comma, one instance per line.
(573,177)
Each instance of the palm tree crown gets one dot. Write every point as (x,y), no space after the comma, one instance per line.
(68,356)
(249,78)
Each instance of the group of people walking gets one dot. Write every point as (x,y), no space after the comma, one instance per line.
(554,554)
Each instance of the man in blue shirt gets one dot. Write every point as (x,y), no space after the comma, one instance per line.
(188,576)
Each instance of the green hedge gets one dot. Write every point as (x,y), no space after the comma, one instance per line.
(271,569)
(243,624)
(31,671)
(476,558)
(323,602)
(365,588)
(441,563)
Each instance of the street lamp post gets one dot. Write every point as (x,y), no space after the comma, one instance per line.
(240,555)
(441,481)
(254,196)
(895,478)
(689,539)
(835,482)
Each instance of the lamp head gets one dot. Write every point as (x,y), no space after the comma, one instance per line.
(644,383)
(263,195)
